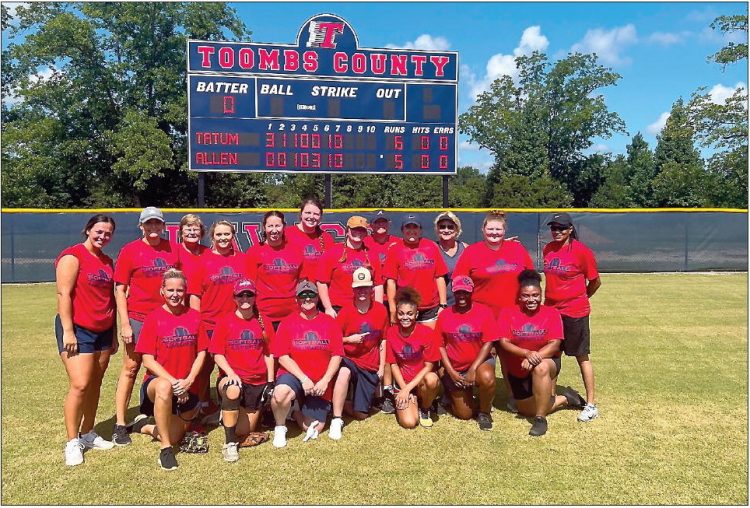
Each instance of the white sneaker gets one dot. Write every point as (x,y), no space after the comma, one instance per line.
(230,453)
(312,431)
(73,452)
(335,431)
(279,436)
(589,413)
(92,440)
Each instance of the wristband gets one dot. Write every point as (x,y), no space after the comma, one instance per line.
(443,305)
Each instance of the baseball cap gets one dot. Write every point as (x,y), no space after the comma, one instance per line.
(561,218)
(463,283)
(356,221)
(243,285)
(380,215)
(361,278)
(150,212)
(305,286)
(411,219)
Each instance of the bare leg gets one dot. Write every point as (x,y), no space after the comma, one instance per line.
(428,390)
(587,373)
(485,380)
(340,389)
(131,363)
(91,399)
(80,368)
(283,396)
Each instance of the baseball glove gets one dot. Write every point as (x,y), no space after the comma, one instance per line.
(253,439)
(194,442)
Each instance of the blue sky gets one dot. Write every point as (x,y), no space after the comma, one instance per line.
(659,49)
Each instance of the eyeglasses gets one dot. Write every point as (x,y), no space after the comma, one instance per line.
(191,230)
(450,227)
(306,296)
(559,228)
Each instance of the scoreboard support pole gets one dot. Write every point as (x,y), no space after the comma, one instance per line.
(328,185)
(201,190)
(445,190)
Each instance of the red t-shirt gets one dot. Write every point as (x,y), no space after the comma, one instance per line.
(276,272)
(411,353)
(141,267)
(566,270)
(241,342)
(173,341)
(381,249)
(214,285)
(417,267)
(190,263)
(338,274)
(93,294)
(365,355)
(527,332)
(312,247)
(463,334)
(310,343)
(495,273)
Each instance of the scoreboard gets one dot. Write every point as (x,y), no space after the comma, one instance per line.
(322,105)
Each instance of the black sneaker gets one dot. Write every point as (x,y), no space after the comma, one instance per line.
(167,460)
(539,428)
(388,407)
(138,424)
(485,421)
(120,436)
(573,397)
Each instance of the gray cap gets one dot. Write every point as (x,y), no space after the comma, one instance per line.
(150,212)
(306,286)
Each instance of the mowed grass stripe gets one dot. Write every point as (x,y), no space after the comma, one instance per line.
(670,354)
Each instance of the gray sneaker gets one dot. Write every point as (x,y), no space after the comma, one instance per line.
(230,453)
(539,427)
(485,421)
(589,413)
(120,436)
(511,406)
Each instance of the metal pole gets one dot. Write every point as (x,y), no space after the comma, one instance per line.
(445,191)
(201,190)
(328,184)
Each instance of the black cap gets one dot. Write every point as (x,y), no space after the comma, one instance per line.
(561,218)
(411,219)
(379,215)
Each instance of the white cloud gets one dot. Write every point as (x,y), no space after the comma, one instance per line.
(13,6)
(469,146)
(608,44)
(720,93)
(600,148)
(656,127)
(426,42)
(667,38)
(501,64)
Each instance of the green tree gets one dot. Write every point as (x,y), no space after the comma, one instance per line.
(466,189)
(734,51)
(542,125)
(108,124)
(516,191)
(680,178)
(640,174)
(614,191)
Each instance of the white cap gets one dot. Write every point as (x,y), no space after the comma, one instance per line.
(361,278)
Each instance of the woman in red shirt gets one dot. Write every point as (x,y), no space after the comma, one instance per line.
(339,263)
(572,278)
(467,334)
(211,293)
(530,336)
(363,324)
(275,266)
(309,348)
(240,347)
(412,351)
(140,267)
(308,235)
(84,328)
(173,353)
(190,251)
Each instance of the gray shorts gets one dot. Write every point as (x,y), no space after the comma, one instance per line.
(136,326)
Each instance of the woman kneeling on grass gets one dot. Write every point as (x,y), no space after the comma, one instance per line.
(240,346)
(530,336)
(309,347)
(412,350)
(173,354)
(84,327)
(363,323)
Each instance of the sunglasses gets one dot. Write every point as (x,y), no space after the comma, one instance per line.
(450,227)
(245,294)
(306,296)
(559,228)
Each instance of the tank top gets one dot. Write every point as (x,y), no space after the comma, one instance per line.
(451,261)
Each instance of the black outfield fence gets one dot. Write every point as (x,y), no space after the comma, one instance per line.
(672,240)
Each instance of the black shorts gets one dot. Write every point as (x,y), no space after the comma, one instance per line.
(362,385)
(577,336)
(147,405)
(522,386)
(428,315)
(88,341)
(450,386)
(249,395)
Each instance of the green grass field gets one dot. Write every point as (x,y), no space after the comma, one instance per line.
(671,360)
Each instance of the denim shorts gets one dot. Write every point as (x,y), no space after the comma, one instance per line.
(312,406)
(88,341)
(362,385)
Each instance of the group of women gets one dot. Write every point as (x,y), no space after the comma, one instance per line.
(304,328)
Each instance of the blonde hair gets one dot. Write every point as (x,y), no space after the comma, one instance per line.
(191,219)
(221,223)
(448,215)
(495,215)
(173,273)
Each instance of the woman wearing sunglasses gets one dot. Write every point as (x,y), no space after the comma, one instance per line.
(448,229)
(572,278)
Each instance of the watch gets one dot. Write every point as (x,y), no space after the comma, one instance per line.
(443,305)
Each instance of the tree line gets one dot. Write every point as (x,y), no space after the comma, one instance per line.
(105,125)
